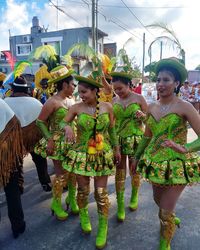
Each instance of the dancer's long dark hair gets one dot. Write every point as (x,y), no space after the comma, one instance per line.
(91,87)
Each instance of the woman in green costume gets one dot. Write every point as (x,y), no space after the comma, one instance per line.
(92,153)
(52,145)
(166,160)
(129,111)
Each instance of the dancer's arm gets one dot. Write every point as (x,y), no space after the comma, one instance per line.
(113,136)
(67,123)
(193,117)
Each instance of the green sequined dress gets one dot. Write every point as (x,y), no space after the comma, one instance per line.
(77,158)
(128,128)
(164,166)
(57,135)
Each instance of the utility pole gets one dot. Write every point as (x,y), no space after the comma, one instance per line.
(143,59)
(93,25)
(161,49)
(96,19)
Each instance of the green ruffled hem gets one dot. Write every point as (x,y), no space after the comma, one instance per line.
(129,144)
(60,148)
(78,163)
(171,172)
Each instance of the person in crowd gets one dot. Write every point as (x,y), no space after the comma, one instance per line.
(138,89)
(2,89)
(52,145)
(165,158)
(129,111)
(92,152)
(27,109)
(185,91)
(197,97)
(11,178)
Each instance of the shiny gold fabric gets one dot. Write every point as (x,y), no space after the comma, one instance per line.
(82,196)
(135,180)
(58,184)
(120,179)
(167,224)
(101,197)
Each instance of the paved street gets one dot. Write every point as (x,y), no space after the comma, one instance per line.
(140,231)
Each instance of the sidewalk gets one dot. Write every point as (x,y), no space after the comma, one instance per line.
(140,231)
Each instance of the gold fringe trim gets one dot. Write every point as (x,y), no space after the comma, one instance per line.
(31,135)
(11,149)
(82,196)
(167,224)
(101,197)
(120,178)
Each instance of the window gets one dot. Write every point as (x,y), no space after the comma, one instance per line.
(56,46)
(55,42)
(23,49)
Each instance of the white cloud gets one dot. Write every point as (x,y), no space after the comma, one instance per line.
(17,17)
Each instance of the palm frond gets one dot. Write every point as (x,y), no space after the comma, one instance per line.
(167,40)
(130,41)
(165,30)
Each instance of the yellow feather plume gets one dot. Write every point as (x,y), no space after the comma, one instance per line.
(20,67)
(41,74)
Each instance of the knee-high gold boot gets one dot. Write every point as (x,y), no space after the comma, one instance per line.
(82,200)
(56,204)
(71,198)
(167,228)
(135,181)
(120,188)
(101,197)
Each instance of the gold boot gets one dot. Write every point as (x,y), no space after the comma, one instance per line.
(135,181)
(82,200)
(56,204)
(101,197)
(71,198)
(120,188)
(167,228)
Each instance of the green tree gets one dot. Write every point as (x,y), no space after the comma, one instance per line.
(198,67)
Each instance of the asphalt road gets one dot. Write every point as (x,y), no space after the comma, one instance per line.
(140,231)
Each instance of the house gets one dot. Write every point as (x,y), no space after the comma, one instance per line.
(21,46)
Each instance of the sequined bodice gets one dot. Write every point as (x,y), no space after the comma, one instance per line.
(56,118)
(126,122)
(171,126)
(85,126)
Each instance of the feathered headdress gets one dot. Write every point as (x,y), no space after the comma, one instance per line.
(42,73)
(47,54)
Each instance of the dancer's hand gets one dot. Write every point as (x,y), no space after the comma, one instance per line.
(176,147)
(69,134)
(133,166)
(140,115)
(50,146)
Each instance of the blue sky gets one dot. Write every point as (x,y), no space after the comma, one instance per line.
(114,18)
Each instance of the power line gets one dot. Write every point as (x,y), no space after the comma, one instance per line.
(136,17)
(119,25)
(132,7)
(64,12)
